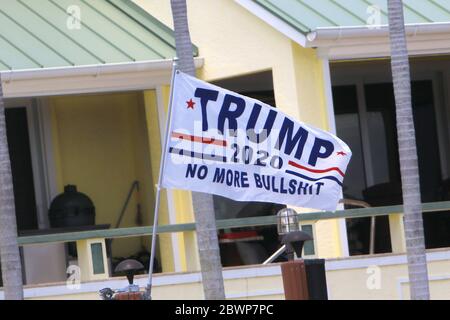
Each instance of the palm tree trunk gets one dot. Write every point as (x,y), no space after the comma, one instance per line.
(414,235)
(207,241)
(9,249)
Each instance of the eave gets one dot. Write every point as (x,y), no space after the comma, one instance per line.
(88,79)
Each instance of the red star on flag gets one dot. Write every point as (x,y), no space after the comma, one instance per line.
(190,104)
(341,153)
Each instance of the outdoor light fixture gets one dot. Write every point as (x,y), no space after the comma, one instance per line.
(289,232)
(302,279)
(129,268)
(294,242)
(287,221)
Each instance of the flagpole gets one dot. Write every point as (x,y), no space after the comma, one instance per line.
(148,290)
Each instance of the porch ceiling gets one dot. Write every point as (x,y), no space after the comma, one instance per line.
(42,34)
(309,15)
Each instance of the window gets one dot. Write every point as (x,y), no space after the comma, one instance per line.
(366,121)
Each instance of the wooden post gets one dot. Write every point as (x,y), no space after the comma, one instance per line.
(129,296)
(294,280)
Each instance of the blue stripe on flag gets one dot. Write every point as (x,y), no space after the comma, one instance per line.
(198,155)
(314,179)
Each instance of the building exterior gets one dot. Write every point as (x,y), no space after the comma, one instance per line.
(87,83)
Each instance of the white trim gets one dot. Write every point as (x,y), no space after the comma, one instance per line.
(328,95)
(91,70)
(343,32)
(404,280)
(88,79)
(380,260)
(170,200)
(379,47)
(275,22)
(158,281)
(362,42)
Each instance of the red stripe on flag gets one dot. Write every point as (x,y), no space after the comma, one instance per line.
(183,136)
(299,166)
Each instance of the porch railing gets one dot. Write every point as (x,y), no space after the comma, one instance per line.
(91,245)
(225,224)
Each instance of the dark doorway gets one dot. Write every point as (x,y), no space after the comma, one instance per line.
(355,183)
(380,100)
(21,167)
(385,189)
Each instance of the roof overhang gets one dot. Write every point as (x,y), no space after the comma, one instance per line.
(358,42)
(364,42)
(88,79)
(339,33)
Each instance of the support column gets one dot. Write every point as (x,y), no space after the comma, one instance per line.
(180,204)
(328,90)
(178,251)
(303,90)
(165,245)
(397,233)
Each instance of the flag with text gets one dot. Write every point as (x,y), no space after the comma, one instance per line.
(224,143)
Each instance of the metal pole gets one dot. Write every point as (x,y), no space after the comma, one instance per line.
(275,255)
(135,184)
(372,235)
(158,186)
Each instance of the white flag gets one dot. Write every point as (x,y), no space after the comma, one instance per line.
(223,143)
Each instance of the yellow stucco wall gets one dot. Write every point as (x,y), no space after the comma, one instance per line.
(101,145)
(233,42)
(357,284)
(154,137)
(241,288)
(184,213)
(194,291)
(379,277)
